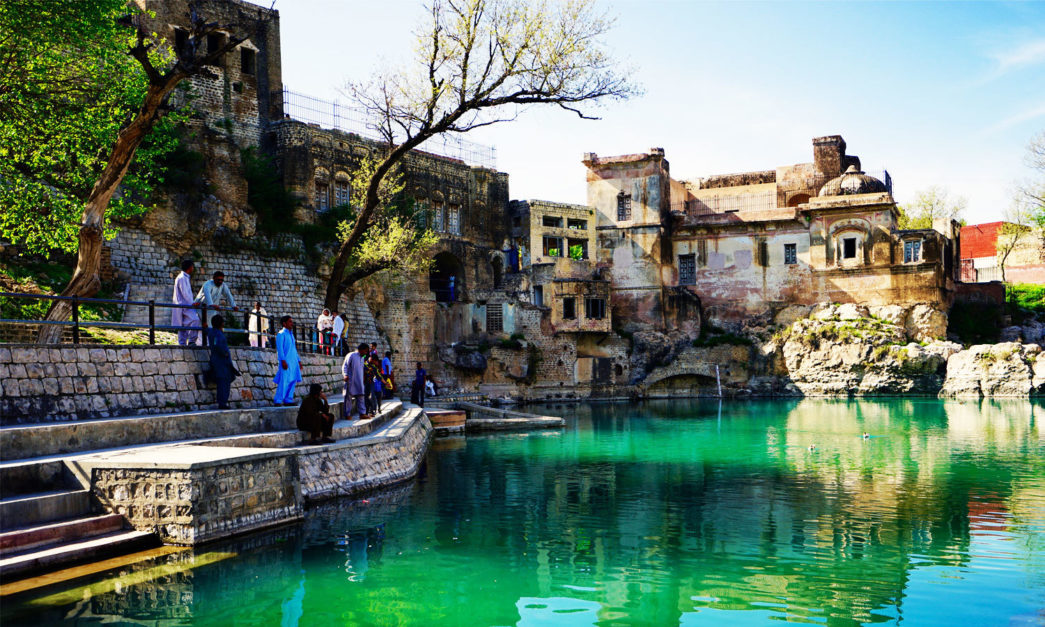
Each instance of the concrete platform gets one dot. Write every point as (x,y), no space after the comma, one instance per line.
(482,418)
(446,421)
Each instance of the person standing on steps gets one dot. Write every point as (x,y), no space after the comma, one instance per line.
(338,331)
(257,324)
(214,290)
(324,325)
(388,379)
(417,393)
(355,389)
(222,370)
(185,316)
(288,371)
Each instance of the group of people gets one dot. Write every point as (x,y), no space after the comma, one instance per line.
(210,296)
(368,377)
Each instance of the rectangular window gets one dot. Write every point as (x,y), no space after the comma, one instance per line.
(553,247)
(551,222)
(246,61)
(437,218)
(912,251)
(538,295)
(494,318)
(790,254)
(687,269)
(569,308)
(215,41)
(181,41)
(340,193)
(577,225)
(453,222)
(322,200)
(594,308)
(578,248)
(623,206)
(849,248)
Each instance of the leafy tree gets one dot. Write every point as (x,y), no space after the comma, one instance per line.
(478,62)
(932,203)
(84,84)
(1025,220)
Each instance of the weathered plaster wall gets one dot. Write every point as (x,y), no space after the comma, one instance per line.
(76,383)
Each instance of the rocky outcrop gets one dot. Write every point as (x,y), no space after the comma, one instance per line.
(651,349)
(995,370)
(848,350)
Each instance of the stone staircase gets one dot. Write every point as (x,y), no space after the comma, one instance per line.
(48,514)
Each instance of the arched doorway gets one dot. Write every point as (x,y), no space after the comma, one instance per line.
(798,199)
(446,278)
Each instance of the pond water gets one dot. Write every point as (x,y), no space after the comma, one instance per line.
(662,513)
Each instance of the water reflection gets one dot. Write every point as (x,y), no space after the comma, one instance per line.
(665,513)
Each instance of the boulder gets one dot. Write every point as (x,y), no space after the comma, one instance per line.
(893,314)
(924,322)
(994,370)
(790,314)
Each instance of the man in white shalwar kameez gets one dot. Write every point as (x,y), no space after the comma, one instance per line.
(180,316)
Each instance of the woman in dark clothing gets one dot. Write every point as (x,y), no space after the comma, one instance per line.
(417,394)
(222,371)
(314,416)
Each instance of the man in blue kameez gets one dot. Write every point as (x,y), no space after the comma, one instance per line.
(352,369)
(288,374)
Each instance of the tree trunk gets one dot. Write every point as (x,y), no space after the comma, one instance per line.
(86,279)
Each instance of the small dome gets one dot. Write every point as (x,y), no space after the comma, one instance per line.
(853,181)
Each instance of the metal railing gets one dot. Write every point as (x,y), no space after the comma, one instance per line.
(307,340)
(726,204)
(339,116)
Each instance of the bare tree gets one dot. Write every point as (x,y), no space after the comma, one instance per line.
(478,62)
(189,59)
(931,204)
(1013,232)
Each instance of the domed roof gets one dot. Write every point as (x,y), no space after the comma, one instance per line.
(852,181)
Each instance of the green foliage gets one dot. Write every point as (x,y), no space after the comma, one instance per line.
(553,252)
(931,204)
(266,194)
(1025,298)
(46,278)
(974,323)
(67,88)
(577,252)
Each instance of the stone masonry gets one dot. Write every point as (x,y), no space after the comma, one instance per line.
(75,383)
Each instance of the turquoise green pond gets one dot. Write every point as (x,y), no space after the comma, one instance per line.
(663,513)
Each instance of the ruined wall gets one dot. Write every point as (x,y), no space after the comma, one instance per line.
(76,383)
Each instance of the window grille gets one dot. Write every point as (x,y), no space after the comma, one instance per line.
(322,200)
(494,318)
(790,254)
(553,247)
(341,194)
(623,206)
(912,251)
(454,220)
(687,269)
(437,218)
(595,308)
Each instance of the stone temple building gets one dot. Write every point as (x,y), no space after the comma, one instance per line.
(532,299)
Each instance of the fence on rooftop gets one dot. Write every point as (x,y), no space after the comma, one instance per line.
(336,115)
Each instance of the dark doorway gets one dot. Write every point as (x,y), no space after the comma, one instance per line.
(498,273)
(446,278)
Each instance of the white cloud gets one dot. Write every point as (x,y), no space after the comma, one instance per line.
(1015,119)
(1028,53)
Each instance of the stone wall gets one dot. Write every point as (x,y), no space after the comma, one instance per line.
(75,383)
(355,466)
(283,284)
(199,502)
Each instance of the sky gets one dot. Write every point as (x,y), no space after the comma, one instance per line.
(944,94)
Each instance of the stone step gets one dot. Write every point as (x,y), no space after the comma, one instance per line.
(26,538)
(24,442)
(32,478)
(35,509)
(107,545)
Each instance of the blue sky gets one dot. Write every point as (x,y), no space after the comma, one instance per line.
(937,93)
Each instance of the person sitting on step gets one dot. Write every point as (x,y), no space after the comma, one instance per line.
(314,416)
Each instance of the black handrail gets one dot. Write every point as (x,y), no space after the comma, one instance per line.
(76,323)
